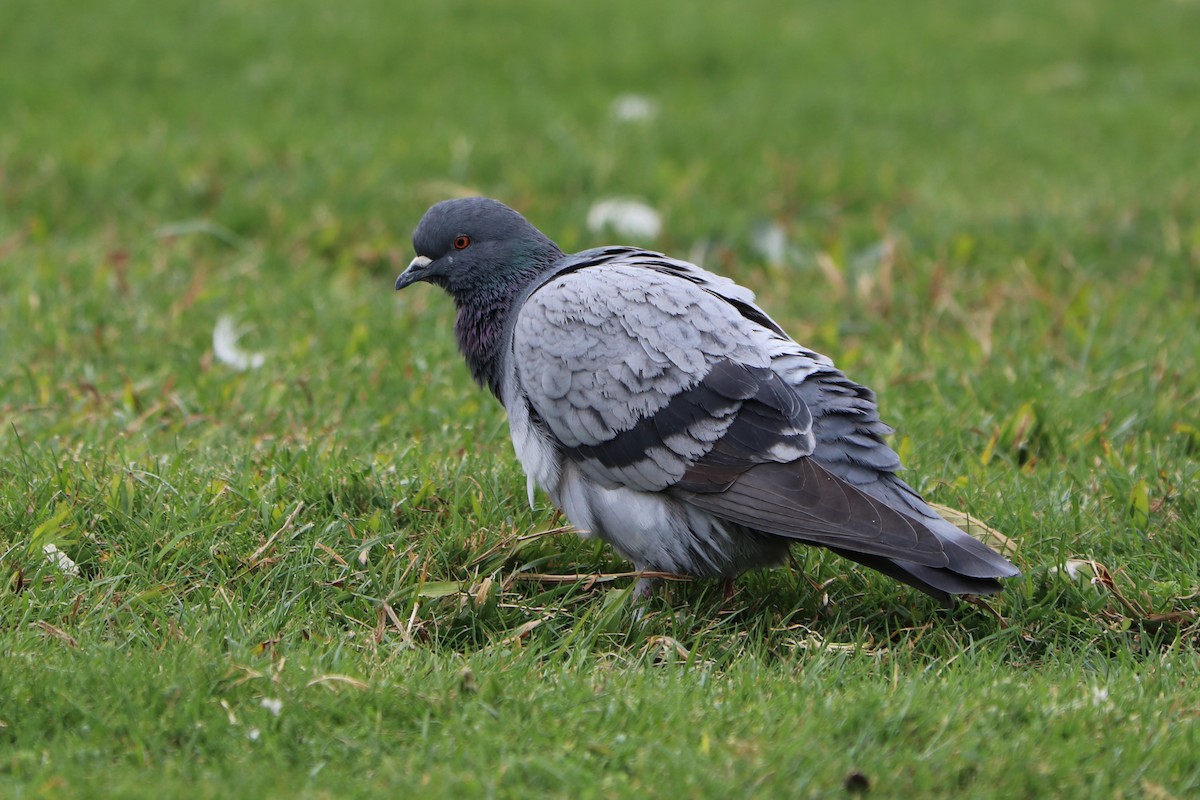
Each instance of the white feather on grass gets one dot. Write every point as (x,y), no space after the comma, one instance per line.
(226,349)
(633,108)
(631,218)
(60,559)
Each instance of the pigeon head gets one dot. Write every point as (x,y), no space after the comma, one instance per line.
(483,253)
(476,248)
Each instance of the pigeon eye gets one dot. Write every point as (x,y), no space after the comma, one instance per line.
(461,241)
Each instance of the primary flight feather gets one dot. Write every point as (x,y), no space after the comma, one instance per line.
(665,413)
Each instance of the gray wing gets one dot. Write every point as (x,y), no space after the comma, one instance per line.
(638,374)
(652,374)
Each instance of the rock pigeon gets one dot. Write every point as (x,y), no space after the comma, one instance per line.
(664,412)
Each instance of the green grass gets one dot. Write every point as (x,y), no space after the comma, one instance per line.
(343,534)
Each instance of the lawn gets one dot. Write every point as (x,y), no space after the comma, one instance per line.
(318,576)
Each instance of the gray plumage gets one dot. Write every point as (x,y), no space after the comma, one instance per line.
(665,413)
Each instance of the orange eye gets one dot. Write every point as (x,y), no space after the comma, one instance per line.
(461,241)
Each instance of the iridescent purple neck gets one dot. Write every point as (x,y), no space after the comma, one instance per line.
(485,292)
(479,326)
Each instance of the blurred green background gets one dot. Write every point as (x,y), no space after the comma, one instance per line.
(987,212)
(257,115)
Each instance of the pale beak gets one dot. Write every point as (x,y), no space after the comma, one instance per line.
(415,272)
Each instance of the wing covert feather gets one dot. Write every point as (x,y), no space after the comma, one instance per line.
(637,374)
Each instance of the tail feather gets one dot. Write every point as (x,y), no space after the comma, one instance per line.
(940,583)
